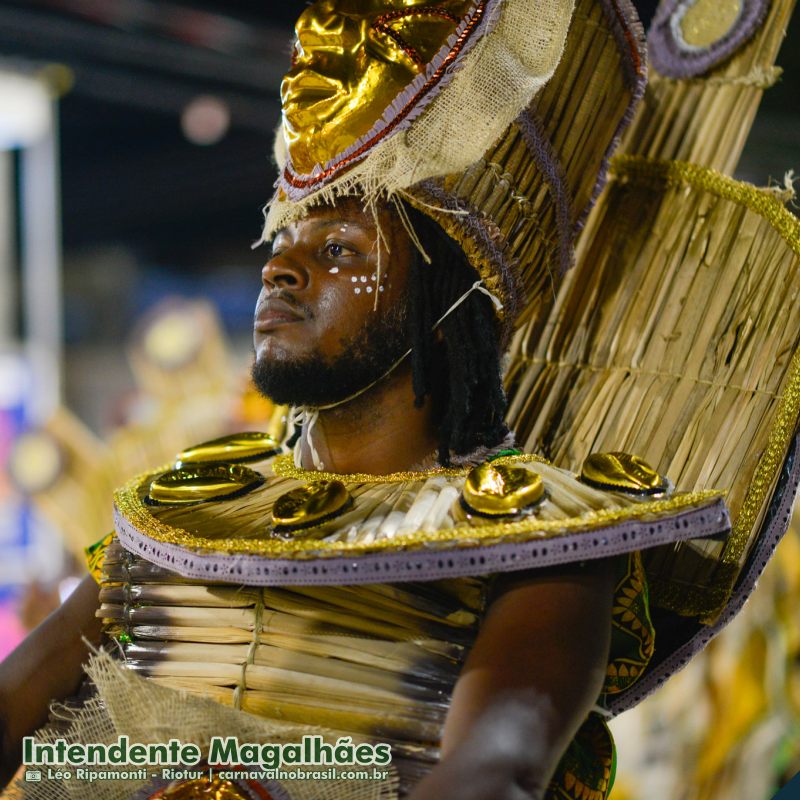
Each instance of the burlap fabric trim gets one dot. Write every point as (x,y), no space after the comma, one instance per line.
(128,704)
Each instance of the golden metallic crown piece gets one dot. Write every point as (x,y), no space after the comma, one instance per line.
(202,483)
(474,119)
(498,490)
(623,472)
(332,97)
(310,504)
(237,448)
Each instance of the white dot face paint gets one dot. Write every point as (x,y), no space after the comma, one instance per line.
(357,290)
(354,279)
(369,290)
(380,288)
(363,279)
(333,270)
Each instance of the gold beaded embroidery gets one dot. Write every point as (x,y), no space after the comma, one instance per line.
(284,467)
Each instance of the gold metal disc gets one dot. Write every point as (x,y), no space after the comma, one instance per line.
(200,483)
(238,448)
(705,22)
(622,472)
(307,505)
(498,490)
(201,789)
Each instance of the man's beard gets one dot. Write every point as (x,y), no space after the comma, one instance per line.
(315,381)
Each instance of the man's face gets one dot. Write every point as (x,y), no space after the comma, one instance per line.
(318,334)
(351,59)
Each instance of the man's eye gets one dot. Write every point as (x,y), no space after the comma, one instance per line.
(338,250)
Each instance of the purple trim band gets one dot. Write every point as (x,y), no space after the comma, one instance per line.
(397,567)
(629,37)
(546,160)
(674,58)
(628,32)
(773,531)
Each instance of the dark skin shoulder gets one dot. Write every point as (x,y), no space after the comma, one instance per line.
(47,666)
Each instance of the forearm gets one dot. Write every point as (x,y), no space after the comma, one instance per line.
(532,677)
(46,666)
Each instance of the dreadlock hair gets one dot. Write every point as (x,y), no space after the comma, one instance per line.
(458,364)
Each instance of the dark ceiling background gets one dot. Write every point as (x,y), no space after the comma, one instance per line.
(128,172)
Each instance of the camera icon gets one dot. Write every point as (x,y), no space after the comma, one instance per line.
(33,775)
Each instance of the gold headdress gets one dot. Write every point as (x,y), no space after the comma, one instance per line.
(446,105)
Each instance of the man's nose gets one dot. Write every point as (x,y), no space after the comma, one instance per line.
(284,271)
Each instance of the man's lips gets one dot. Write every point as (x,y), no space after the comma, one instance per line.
(274,313)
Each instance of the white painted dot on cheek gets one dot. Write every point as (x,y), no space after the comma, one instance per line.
(363,279)
(380,288)
(354,279)
(369,290)
(357,290)
(333,270)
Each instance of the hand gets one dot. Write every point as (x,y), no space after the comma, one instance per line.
(498,759)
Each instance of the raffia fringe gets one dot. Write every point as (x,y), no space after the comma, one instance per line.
(762,201)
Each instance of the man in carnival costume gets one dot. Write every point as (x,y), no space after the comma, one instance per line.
(397,571)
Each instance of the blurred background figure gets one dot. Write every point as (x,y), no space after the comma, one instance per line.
(134,162)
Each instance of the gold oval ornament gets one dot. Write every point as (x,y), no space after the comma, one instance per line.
(705,22)
(202,483)
(202,789)
(498,490)
(310,504)
(623,472)
(237,448)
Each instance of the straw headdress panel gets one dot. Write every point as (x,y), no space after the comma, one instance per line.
(528,196)
(676,335)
